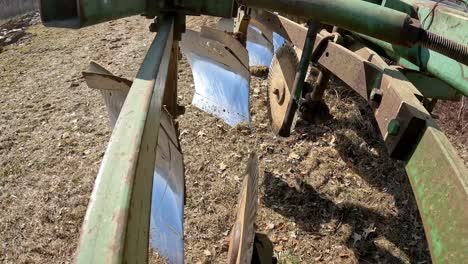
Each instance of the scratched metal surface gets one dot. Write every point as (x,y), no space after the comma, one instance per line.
(219,90)
(221,81)
(167,202)
(260,49)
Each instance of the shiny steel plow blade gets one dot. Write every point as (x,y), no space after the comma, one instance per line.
(221,77)
(167,202)
(113,89)
(260,45)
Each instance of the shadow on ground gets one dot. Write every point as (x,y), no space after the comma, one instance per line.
(364,152)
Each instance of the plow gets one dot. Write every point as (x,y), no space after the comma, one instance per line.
(401,56)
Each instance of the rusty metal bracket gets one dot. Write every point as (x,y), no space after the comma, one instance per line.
(400,115)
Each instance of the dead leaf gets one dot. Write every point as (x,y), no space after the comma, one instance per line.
(368,230)
(344,255)
(293,155)
(225,244)
(280,225)
(222,166)
(183,133)
(207,252)
(271,226)
(293,235)
(278,248)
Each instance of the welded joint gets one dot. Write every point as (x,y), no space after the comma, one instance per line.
(400,115)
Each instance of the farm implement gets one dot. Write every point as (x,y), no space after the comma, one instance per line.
(402,56)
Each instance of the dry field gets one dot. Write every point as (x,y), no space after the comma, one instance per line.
(328,194)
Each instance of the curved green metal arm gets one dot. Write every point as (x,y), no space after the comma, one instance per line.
(440,184)
(116,226)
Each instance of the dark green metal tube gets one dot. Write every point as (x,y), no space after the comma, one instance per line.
(301,73)
(81,13)
(451,71)
(355,15)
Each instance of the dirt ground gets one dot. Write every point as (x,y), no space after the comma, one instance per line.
(329,193)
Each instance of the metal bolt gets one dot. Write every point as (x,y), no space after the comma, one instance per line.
(393,127)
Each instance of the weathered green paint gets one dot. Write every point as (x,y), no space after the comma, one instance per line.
(401,5)
(453,25)
(116,225)
(445,22)
(440,183)
(450,71)
(220,8)
(355,15)
(431,87)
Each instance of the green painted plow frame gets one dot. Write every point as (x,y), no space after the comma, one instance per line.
(116,226)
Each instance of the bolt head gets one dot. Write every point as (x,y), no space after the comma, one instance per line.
(393,127)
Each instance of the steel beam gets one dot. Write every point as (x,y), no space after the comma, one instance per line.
(440,185)
(116,226)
